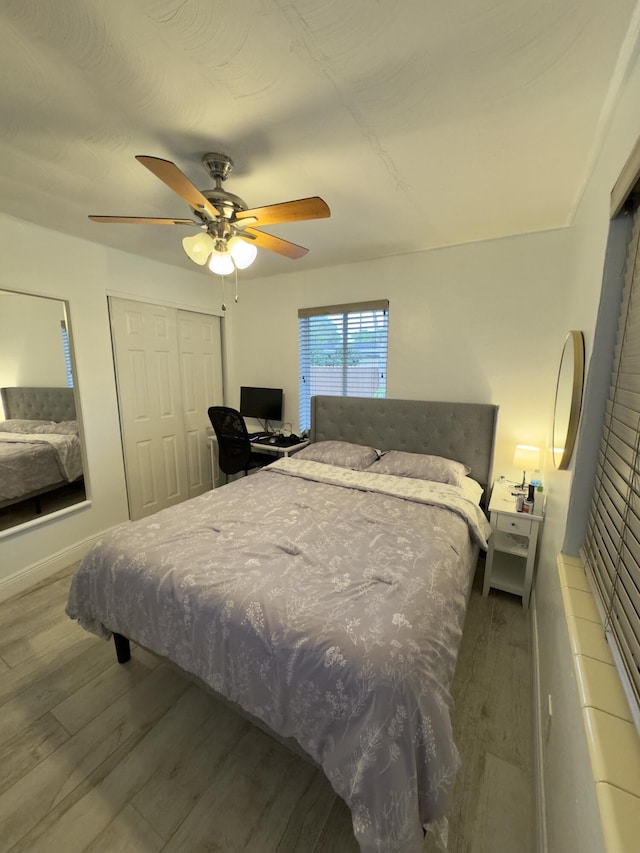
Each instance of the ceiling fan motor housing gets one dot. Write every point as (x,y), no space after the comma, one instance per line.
(226,203)
(219,167)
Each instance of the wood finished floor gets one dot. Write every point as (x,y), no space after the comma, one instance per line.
(101,758)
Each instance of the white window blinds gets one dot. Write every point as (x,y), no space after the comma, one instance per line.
(612,548)
(67,353)
(343,352)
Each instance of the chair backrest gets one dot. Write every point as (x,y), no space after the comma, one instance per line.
(234,447)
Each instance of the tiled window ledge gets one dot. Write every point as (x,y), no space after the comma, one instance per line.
(613,740)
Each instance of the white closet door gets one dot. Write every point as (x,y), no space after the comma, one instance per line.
(148,375)
(199,343)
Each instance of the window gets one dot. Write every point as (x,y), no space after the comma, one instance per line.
(67,353)
(343,352)
(612,547)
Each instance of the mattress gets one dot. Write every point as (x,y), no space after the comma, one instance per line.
(326,602)
(36,456)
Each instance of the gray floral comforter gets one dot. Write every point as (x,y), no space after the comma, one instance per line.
(35,462)
(329,604)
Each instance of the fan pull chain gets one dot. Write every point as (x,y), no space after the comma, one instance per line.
(236,271)
(223,306)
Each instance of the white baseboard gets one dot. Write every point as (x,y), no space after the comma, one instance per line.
(538,737)
(22,580)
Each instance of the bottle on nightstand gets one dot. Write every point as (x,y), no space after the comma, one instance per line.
(538,501)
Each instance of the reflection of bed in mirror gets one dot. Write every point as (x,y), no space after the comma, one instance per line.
(40,453)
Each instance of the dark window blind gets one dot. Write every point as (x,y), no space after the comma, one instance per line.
(343,352)
(612,547)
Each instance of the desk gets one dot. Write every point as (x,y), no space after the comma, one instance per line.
(218,478)
(263,446)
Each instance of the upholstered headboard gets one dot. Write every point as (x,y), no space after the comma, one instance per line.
(461,431)
(39,404)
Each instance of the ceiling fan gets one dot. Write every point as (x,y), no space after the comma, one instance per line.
(226,237)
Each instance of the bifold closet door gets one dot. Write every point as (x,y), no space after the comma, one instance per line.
(200,351)
(165,371)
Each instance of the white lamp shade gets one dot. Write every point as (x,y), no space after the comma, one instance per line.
(198,247)
(242,252)
(526,457)
(221,263)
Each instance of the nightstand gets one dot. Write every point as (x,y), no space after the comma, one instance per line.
(512,545)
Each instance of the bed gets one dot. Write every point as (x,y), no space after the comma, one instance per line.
(39,443)
(324,595)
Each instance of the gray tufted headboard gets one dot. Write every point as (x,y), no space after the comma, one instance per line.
(39,404)
(461,431)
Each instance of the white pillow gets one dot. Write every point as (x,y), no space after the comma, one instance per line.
(472,489)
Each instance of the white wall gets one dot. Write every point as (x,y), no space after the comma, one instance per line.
(482,322)
(31,351)
(83,273)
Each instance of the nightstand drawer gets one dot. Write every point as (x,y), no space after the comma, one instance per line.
(514,524)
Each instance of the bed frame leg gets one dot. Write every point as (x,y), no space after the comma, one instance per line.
(123,650)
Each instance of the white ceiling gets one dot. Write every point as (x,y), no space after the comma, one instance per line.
(420,123)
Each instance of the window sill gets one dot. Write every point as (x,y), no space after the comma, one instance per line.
(612,738)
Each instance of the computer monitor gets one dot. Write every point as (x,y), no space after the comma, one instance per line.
(264,404)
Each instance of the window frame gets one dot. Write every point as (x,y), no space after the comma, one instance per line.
(349,313)
(66,348)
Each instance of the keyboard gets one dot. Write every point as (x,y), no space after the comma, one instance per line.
(275,440)
(286,440)
(259,436)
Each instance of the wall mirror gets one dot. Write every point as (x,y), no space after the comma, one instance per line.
(568,402)
(42,459)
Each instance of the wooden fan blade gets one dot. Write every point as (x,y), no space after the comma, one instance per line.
(142,220)
(169,174)
(288,211)
(273,244)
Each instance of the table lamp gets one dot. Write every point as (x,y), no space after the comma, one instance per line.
(526,457)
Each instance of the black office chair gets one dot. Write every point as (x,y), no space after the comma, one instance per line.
(234,447)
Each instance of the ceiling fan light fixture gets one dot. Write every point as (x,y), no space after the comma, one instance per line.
(221,263)
(242,252)
(198,247)
(222,216)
